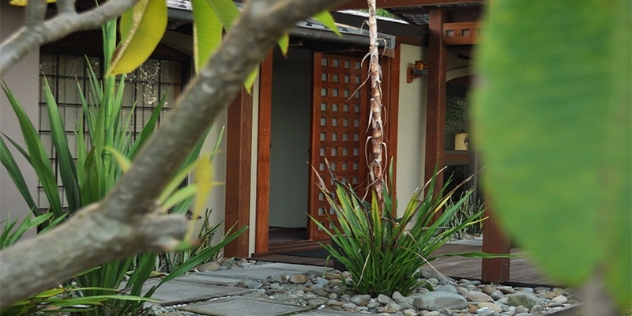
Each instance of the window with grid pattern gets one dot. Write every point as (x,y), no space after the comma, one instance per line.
(144,88)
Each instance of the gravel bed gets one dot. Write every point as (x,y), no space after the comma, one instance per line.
(448,296)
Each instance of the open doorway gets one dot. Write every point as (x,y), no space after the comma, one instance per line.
(289,148)
(310,108)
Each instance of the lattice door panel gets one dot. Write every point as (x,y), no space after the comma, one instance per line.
(338,130)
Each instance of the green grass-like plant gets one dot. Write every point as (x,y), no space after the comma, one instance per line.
(465,212)
(383,253)
(61,300)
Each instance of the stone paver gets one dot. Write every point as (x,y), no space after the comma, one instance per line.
(262,271)
(326,312)
(243,306)
(207,278)
(177,292)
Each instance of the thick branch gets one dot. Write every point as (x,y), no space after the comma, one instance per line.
(34,34)
(88,239)
(124,223)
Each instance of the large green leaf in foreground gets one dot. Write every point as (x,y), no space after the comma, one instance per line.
(552,119)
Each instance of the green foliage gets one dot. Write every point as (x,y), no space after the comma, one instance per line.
(102,157)
(141,27)
(10,236)
(368,236)
(169,261)
(553,122)
(466,212)
(64,299)
(456,112)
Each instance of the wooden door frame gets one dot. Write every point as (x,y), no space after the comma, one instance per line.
(390,91)
(238,172)
(263,154)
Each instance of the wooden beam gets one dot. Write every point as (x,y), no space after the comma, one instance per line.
(494,241)
(462,33)
(361,4)
(263,155)
(238,153)
(435,90)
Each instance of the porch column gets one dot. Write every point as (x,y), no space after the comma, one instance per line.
(494,241)
(263,154)
(238,153)
(435,90)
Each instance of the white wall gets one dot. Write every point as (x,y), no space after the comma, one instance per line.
(411,128)
(217,200)
(23,79)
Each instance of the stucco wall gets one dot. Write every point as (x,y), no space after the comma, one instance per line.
(23,79)
(411,128)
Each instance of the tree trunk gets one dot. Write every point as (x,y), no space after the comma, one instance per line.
(376,137)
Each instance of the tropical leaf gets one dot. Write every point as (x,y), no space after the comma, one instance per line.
(225,10)
(142,27)
(21,3)
(284,43)
(553,122)
(204,183)
(252,77)
(327,20)
(207,32)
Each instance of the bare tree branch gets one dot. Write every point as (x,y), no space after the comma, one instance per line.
(125,223)
(35,13)
(66,6)
(37,32)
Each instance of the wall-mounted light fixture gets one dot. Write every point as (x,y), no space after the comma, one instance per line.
(417,70)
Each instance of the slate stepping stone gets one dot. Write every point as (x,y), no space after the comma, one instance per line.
(176,292)
(242,306)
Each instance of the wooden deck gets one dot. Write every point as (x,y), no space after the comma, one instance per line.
(522,271)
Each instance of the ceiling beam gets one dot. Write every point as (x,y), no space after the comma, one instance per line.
(385,4)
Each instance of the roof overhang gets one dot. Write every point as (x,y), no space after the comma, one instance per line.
(180,13)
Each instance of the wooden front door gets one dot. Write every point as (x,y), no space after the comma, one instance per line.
(338,131)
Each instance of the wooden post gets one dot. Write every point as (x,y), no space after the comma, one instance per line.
(494,241)
(238,153)
(435,111)
(263,156)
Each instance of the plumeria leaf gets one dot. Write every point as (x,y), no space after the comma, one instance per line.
(251,80)
(204,183)
(552,119)
(21,3)
(226,11)
(327,20)
(207,32)
(284,43)
(141,27)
